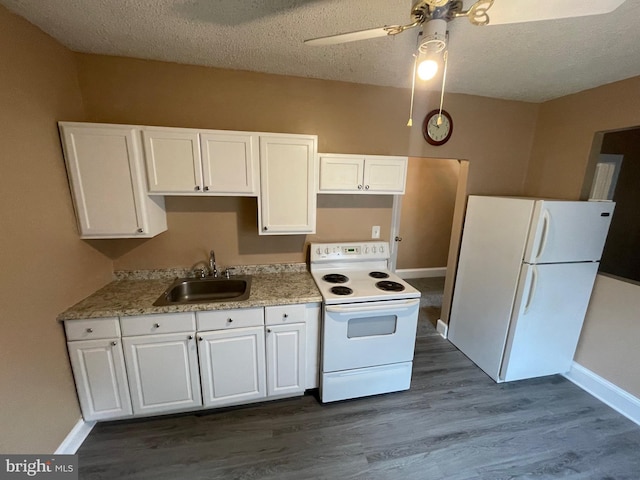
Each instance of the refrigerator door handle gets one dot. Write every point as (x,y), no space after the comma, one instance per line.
(545,233)
(532,288)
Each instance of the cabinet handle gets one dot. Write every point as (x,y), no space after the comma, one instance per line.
(366,187)
(206,188)
(359,187)
(200,339)
(268,330)
(156,325)
(190,337)
(114,343)
(265,228)
(197,188)
(89,330)
(141,230)
(230,320)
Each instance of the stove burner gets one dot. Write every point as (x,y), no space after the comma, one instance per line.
(335,278)
(379,275)
(341,290)
(389,286)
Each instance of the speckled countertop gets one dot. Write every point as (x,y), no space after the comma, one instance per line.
(133,293)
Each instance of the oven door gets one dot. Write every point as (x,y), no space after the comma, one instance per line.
(360,335)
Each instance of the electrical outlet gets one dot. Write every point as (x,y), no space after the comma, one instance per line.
(375,231)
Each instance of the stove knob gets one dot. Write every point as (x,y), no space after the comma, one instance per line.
(326,250)
(374,249)
(381,249)
(318,251)
(366,249)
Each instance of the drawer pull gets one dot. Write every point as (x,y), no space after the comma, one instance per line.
(156,325)
(230,320)
(285,315)
(89,330)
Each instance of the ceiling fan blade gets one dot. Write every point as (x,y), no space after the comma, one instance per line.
(519,11)
(355,36)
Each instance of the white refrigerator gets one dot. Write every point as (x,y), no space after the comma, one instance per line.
(525,275)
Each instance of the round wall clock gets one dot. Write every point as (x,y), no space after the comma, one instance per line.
(437,133)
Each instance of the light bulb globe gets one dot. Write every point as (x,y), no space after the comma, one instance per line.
(427,69)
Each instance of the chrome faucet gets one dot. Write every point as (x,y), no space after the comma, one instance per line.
(213,270)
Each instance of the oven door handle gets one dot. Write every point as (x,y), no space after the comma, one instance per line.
(381,306)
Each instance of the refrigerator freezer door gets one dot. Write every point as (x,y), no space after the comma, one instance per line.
(563,231)
(550,307)
(495,235)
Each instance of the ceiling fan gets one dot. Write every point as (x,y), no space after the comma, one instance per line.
(434,15)
(482,12)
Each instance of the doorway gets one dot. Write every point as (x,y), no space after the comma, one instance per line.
(422,218)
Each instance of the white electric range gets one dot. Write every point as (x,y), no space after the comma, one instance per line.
(369,322)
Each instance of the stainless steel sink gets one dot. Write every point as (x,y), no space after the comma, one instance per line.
(205,290)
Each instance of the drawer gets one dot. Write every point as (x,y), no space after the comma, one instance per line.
(158,323)
(223,319)
(92,329)
(284,314)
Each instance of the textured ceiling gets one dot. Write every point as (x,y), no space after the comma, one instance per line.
(527,61)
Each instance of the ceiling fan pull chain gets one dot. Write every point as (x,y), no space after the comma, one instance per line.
(445,57)
(413,90)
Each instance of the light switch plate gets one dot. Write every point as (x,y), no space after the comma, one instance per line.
(375,231)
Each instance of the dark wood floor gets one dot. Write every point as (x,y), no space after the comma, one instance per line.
(454,423)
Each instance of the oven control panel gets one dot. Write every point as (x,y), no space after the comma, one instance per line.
(349,251)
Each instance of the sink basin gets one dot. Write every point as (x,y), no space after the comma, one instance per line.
(205,290)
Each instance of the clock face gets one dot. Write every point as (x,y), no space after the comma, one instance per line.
(437,127)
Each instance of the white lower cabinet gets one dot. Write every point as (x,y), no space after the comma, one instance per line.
(232,366)
(153,364)
(101,378)
(286,360)
(163,372)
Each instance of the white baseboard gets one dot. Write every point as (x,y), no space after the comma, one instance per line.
(75,438)
(442,328)
(605,391)
(421,272)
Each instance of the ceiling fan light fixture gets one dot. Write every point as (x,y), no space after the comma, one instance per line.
(434,37)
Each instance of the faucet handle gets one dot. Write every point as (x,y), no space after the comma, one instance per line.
(200,273)
(227,272)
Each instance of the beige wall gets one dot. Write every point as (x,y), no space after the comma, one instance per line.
(348,118)
(427,212)
(45,266)
(560,156)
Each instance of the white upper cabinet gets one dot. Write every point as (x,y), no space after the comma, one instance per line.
(229,163)
(373,174)
(104,164)
(287,181)
(173,160)
(210,162)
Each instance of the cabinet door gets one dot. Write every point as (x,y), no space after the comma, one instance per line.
(341,173)
(104,163)
(233,365)
(385,174)
(287,183)
(286,361)
(229,163)
(163,372)
(172,156)
(101,379)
